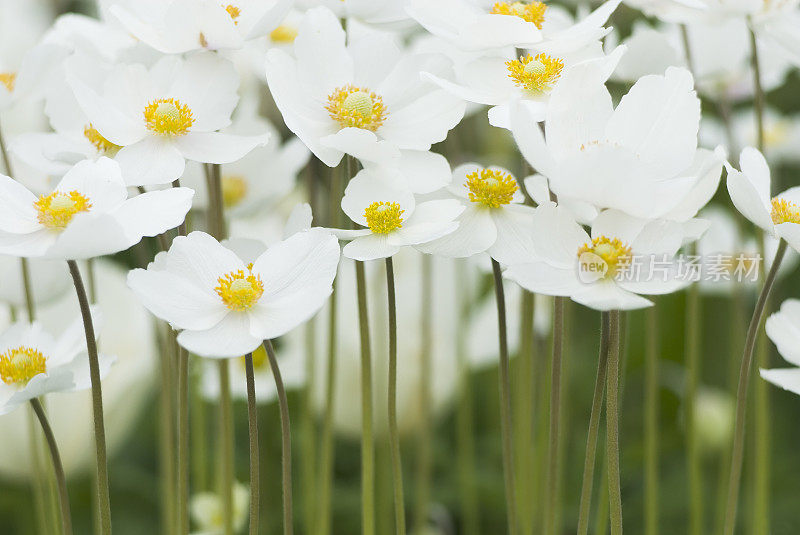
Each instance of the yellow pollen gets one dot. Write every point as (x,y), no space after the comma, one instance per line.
(240,290)
(384,217)
(354,107)
(260,360)
(56,210)
(784,211)
(8,79)
(535,74)
(234,12)
(168,117)
(283,34)
(615,253)
(527,11)
(18,366)
(491,187)
(102,145)
(234,189)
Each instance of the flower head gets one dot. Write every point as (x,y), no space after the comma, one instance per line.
(535,74)
(355,107)
(491,187)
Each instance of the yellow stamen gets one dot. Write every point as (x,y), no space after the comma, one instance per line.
(18,366)
(354,107)
(535,74)
(615,253)
(784,211)
(8,79)
(234,189)
(168,117)
(102,145)
(491,187)
(283,34)
(384,217)
(528,11)
(56,210)
(234,12)
(240,290)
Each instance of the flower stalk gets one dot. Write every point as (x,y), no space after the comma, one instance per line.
(252,420)
(551,509)
(394,437)
(367,435)
(63,496)
(286,441)
(651,436)
(612,424)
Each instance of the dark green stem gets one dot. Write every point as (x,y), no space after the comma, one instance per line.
(612,425)
(394,437)
(286,441)
(252,420)
(367,436)
(63,496)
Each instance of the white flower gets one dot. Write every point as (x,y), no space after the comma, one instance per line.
(342,100)
(33,363)
(226,308)
(480,24)
(750,192)
(167,115)
(599,271)
(392,217)
(51,278)
(206,511)
(88,214)
(27,77)
(783,328)
(494,219)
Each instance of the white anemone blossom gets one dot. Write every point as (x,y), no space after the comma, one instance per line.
(87,214)
(34,363)
(750,192)
(160,118)
(783,328)
(226,308)
(365,99)
(604,271)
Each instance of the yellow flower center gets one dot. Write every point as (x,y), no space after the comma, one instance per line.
(283,34)
(527,11)
(354,107)
(18,366)
(612,251)
(535,74)
(56,210)
(8,79)
(234,12)
(234,189)
(168,117)
(102,145)
(240,290)
(491,187)
(260,361)
(784,211)
(384,217)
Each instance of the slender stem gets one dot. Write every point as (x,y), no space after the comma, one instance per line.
(309,428)
(183,440)
(612,425)
(505,401)
(758,89)
(741,393)
(167,431)
(226,446)
(286,441)
(423,469)
(394,437)
(651,424)
(594,428)
(522,386)
(103,500)
(63,496)
(252,420)
(555,413)
(694,476)
(367,436)
(687,48)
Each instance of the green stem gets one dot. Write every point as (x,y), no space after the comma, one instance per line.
(594,428)
(758,89)
(226,446)
(63,496)
(183,440)
(505,401)
(612,425)
(394,437)
(252,420)
(651,438)
(694,476)
(167,431)
(103,500)
(762,431)
(286,441)
(367,436)
(309,431)
(741,393)
(423,472)
(555,413)
(522,385)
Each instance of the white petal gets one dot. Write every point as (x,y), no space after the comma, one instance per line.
(100,181)
(371,247)
(151,161)
(557,236)
(202,259)
(368,187)
(609,296)
(514,234)
(747,199)
(476,232)
(425,172)
(17,213)
(423,122)
(230,338)
(543,278)
(154,212)
(114,124)
(788,378)
(216,147)
(361,144)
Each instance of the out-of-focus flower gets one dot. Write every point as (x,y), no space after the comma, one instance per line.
(781,134)
(593,271)
(783,328)
(206,511)
(88,214)
(227,308)
(160,118)
(51,276)
(339,100)
(714,414)
(393,218)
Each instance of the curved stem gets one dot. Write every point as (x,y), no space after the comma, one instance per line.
(103,500)
(555,414)
(286,441)
(741,393)
(63,496)
(505,401)
(394,438)
(594,428)
(612,425)
(367,436)
(694,476)
(252,419)
(651,424)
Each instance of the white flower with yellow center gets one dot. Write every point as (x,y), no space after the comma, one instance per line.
(226,308)
(604,271)
(34,363)
(392,218)
(749,189)
(88,214)
(27,76)
(339,100)
(165,116)
(783,328)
